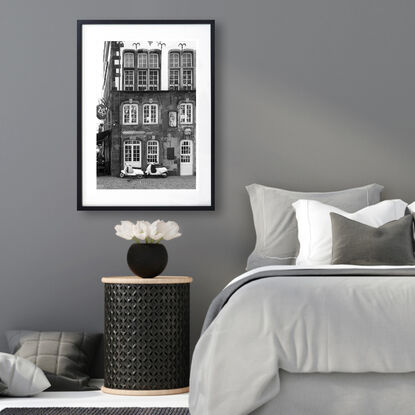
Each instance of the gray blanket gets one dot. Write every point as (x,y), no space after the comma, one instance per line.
(359,320)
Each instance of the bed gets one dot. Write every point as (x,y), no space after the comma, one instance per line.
(323,321)
(292,340)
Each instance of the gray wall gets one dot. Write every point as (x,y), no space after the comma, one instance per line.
(311,95)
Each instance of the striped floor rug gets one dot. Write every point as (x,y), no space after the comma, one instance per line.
(95,411)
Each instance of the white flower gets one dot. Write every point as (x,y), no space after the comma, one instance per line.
(125,230)
(154,233)
(169,230)
(148,232)
(142,229)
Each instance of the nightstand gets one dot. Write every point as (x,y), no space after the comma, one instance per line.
(146,335)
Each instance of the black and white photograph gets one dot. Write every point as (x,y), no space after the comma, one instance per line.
(152,115)
(147,87)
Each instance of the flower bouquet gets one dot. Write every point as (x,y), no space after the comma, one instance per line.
(147,256)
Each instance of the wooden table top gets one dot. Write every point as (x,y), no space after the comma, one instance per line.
(161,279)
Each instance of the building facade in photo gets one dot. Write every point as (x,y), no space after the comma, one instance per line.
(149,97)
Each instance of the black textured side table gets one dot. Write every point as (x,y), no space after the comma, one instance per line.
(146,335)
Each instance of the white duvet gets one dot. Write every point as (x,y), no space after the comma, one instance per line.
(302,324)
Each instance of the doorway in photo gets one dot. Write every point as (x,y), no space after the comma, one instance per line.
(186,158)
(132,153)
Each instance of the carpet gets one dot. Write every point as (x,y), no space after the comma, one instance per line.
(95,411)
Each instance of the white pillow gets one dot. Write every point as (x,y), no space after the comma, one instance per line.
(314,226)
(20,376)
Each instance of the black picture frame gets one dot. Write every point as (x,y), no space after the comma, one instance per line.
(80,203)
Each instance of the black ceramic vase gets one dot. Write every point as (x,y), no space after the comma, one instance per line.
(147,260)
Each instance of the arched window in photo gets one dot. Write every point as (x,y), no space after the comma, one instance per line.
(148,73)
(187,71)
(186,113)
(181,70)
(174,70)
(153,151)
(174,60)
(154,60)
(187,60)
(142,60)
(150,114)
(128,71)
(128,60)
(129,114)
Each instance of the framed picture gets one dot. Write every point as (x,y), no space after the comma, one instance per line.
(146,115)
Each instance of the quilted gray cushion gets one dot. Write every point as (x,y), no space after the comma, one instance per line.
(20,377)
(65,357)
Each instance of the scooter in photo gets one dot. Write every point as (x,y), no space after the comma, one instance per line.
(155,171)
(129,171)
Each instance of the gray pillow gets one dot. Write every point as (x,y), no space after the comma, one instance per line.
(65,357)
(276,225)
(359,244)
(20,377)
